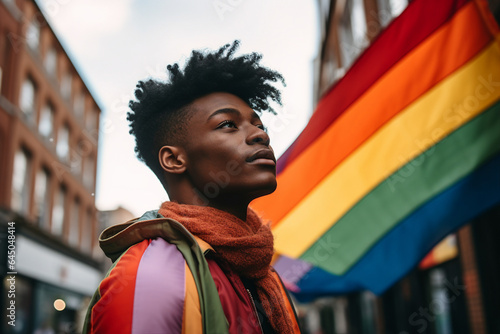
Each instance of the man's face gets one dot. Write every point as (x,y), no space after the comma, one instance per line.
(227,149)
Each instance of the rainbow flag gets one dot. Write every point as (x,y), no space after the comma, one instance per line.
(402,151)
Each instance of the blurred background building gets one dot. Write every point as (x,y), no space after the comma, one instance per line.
(454,289)
(49,127)
(105,219)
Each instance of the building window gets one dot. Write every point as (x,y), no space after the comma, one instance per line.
(389,9)
(62,147)
(58,211)
(46,319)
(91,123)
(50,61)
(10,2)
(369,316)
(66,83)
(33,35)
(86,244)
(74,224)
(79,105)
(46,124)
(21,182)
(88,173)
(440,295)
(340,315)
(42,191)
(27,98)
(397,6)
(358,24)
(91,120)
(352,32)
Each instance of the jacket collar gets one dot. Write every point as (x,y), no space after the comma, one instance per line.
(116,239)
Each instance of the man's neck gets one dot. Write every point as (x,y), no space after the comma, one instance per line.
(183,192)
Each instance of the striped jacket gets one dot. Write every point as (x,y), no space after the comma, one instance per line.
(164,280)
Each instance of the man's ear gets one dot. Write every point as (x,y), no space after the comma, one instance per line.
(172,159)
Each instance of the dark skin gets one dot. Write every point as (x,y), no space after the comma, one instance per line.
(225,160)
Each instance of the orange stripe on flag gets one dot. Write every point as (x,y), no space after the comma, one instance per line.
(357,123)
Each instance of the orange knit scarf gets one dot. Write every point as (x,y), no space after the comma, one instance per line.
(246,246)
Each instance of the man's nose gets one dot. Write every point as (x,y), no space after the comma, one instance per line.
(258,136)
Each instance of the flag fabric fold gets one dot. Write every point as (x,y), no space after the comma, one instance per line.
(404,141)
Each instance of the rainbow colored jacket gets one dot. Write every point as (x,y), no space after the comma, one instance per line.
(163,280)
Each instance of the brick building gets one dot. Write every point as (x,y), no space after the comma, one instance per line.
(469,273)
(49,127)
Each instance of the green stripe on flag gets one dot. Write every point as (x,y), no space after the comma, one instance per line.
(408,188)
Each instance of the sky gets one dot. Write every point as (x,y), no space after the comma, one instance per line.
(116,43)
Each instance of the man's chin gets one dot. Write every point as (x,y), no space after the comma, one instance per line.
(264,191)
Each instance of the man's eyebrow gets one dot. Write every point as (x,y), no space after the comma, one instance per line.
(224,111)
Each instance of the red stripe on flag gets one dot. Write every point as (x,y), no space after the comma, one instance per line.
(395,42)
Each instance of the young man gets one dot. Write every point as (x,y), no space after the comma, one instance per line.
(201,263)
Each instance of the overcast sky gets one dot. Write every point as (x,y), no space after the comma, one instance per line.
(115,43)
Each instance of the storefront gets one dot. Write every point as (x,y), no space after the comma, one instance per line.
(51,290)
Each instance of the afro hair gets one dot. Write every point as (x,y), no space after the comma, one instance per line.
(161,110)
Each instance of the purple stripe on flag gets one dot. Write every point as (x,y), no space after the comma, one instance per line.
(160,290)
(291,270)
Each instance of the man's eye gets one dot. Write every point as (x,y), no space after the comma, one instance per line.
(226,124)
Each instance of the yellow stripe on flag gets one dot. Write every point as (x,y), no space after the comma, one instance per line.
(461,96)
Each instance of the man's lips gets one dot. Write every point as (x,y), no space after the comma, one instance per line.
(263,156)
